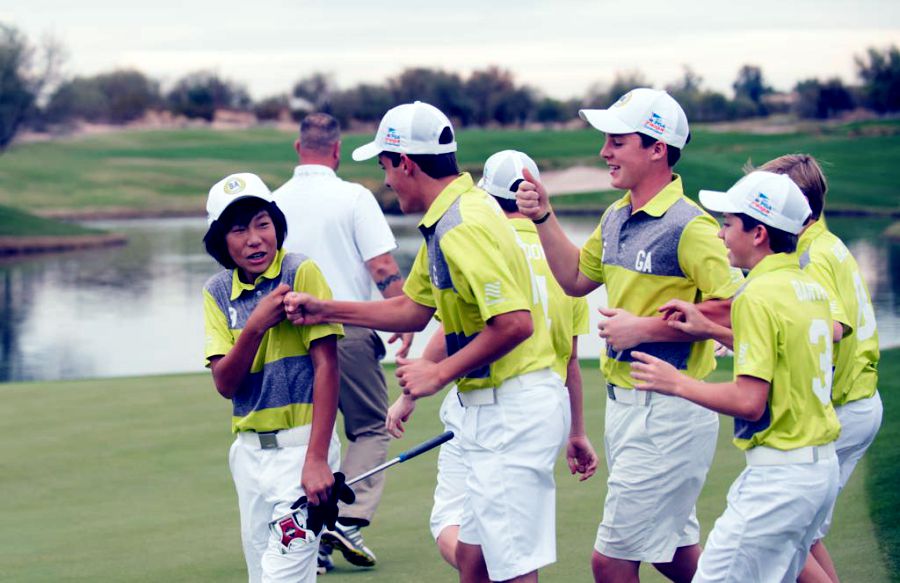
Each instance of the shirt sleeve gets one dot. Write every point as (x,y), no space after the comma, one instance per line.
(219,338)
(755,338)
(590,260)
(309,279)
(704,259)
(481,273)
(372,234)
(581,322)
(417,286)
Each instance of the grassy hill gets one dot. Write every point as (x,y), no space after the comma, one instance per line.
(158,172)
(127,480)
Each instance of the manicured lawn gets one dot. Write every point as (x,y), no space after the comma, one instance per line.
(127,480)
(171,170)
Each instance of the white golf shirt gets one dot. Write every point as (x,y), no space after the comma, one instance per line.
(338,224)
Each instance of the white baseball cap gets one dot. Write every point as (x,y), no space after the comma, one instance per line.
(233,188)
(504,169)
(649,111)
(772,199)
(411,128)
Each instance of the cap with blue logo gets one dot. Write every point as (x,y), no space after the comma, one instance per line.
(647,111)
(411,128)
(233,188)
(773,199)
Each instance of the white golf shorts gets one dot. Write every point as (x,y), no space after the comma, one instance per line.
(267,483)
(658,451)
(450,491)
(860,421)
(509,448)
(768,527)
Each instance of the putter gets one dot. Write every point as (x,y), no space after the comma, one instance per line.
(291,527)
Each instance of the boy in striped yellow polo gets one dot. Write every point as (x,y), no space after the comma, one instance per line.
(280,378)
(782,336)
(567,318)
(472,275)
(652,245)
(854,393)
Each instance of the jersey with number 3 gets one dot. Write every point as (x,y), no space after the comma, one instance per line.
(828,261)
(783,335)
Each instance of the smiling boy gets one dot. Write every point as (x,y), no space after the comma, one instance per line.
(780,397)
(280,378)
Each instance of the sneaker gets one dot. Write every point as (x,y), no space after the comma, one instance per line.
(325,563)
(349,540)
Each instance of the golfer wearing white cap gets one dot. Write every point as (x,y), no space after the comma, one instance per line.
(651,246)
(567,318)
(783,417)
(471,273)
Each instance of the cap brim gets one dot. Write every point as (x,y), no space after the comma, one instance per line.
(366,151)
(605,121)
(717,201)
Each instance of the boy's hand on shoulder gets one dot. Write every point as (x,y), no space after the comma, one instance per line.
(270,310)
(303,309)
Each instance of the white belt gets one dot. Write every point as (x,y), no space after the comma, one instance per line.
(769,456)
(293,437)
(628,396)
(477,397)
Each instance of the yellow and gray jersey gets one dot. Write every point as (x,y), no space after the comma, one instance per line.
(668,249)
(277,392)
(471,268)
(825,257)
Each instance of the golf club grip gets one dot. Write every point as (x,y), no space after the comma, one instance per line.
(425,446)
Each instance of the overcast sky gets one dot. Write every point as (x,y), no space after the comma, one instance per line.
(559,47)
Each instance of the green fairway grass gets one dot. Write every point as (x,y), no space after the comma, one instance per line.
(17,223)
(127,480)
(163,171)
(884,466)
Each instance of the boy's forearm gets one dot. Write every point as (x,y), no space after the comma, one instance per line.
(325,397)
(576,396)
(230,371)
(563,258)
(397,314)
(501,334)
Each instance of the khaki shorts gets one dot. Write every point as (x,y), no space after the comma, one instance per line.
(658,451)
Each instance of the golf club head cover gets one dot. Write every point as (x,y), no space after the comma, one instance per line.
(327,514)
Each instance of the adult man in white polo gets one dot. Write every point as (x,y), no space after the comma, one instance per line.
(340,225)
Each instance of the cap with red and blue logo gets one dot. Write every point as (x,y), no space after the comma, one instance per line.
(411,128)
(772,199)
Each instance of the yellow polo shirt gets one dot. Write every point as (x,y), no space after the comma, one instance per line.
(669,249)
(277,393)
(825,257)
(471,268)
(783,335)
(566,316)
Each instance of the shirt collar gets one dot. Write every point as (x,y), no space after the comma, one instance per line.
(811,233)
(272,272)
(774,262)
(523,225)
(661,201)
(447,197)
(313,170)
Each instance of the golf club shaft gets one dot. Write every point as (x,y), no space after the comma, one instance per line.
(406,455)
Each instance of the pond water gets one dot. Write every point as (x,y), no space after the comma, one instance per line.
(136,310)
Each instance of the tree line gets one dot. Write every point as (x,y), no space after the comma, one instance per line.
(34,94)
